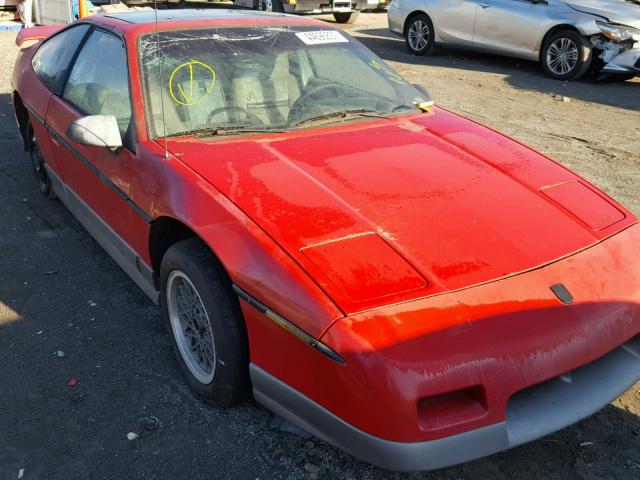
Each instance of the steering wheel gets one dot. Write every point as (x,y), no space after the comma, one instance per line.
(255,120)
(316,91)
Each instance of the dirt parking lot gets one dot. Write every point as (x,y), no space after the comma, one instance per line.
(60,292)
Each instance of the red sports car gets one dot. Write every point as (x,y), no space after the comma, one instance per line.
(408,285)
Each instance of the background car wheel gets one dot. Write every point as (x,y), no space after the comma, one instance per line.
(204,320)
(272,6)
(37,162)
(419,35)
(566,55)
(346,17)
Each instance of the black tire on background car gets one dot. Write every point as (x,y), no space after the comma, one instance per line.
(271,6)
(37,162)
(346,17)
(205,323)
(419,34)
(566,55)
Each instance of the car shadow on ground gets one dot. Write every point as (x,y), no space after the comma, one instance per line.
(520,74)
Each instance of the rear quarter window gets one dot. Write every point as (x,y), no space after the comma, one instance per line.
(52,59)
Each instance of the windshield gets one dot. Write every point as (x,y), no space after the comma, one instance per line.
(263,78)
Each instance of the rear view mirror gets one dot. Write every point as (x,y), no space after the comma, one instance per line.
(96,131)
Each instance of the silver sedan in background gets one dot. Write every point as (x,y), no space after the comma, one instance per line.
(568,37)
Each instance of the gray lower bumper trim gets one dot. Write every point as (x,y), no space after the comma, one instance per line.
(531,414)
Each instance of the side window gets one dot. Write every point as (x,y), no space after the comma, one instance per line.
(99,81)
(52,59)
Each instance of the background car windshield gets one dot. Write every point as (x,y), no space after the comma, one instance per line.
(262,78)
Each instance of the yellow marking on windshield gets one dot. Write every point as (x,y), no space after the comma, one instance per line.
(179,79)
(391,75)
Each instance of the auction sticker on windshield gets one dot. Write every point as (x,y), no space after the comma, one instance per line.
(320,37)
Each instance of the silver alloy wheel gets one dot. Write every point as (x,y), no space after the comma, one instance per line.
(191,327)
(418,35)
(562,56)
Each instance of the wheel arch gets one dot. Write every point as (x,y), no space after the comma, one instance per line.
(165,232)
(22,117)
(411,16)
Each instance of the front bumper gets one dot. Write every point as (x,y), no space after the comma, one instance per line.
(614,57)
(475,371)
(531,414)
(326,6)
(625,63)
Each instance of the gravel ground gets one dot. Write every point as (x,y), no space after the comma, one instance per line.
(59,291)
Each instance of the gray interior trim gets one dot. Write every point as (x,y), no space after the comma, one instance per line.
(531,414)
(116,247)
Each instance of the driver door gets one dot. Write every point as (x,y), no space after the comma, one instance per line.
(510,26)
(455,21)
(97,180)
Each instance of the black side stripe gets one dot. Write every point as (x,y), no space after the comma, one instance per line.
(288,326)
(103,178)
(32,112)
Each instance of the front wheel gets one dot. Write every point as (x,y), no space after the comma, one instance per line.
(204,320)
(419,35)
(566,55)
(346,17)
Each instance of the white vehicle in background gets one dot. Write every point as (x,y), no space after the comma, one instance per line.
(344,11)
(568,37)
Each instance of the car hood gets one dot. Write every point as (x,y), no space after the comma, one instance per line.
(625,12)
(388,210)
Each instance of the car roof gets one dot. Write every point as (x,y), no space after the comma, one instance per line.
(143,21)
(149,16)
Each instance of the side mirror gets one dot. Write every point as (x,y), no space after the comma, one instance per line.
(96,131)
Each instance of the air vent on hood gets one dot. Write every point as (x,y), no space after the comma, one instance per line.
(585,204)
(364,267)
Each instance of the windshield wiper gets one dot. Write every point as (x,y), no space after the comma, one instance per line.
(342,115)
(227,130)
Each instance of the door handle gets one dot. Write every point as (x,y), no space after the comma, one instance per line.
(484,6)
(54,140)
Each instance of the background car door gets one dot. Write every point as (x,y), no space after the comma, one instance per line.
(454,20)
(98,84)
(511,27)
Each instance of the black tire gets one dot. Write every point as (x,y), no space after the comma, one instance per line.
(346,17)
(275,6)
(580,62)
(419,35)
(37,163)
(193,259)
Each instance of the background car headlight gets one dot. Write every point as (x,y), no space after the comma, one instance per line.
(619,33)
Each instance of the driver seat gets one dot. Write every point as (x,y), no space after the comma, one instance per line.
(267,97)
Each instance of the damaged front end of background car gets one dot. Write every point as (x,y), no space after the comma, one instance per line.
(616,50)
